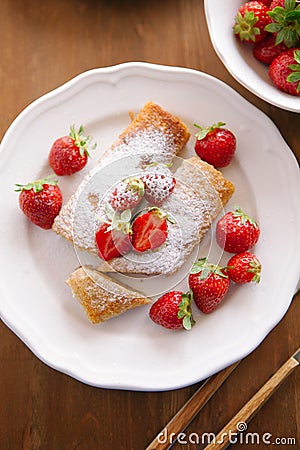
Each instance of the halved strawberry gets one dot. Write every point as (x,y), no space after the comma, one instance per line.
(113,236)
(149,230)
(111,243)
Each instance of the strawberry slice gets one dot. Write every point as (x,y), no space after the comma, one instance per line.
(149,230)
(111,243)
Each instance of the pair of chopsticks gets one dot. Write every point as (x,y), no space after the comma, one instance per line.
(192,407)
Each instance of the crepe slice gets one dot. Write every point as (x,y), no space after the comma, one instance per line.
(102,297)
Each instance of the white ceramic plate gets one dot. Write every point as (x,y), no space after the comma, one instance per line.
(130,352)
(238,58)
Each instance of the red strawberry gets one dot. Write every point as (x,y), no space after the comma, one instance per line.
(111,243)
(127,194)
(173,311)
(284,71)
(159,185)
(215,145)
(266,2)
(285,24)
(244,268)
(209,284)
(275,3)
(236,232)
(250,22)
(149,230)
(40,201)
(266,50)
(69,154)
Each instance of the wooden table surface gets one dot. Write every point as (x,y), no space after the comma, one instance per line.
(42,45)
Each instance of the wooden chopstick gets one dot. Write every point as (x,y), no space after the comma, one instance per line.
(191,408)
(222,440)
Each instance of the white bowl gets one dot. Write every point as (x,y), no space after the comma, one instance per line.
(238,59)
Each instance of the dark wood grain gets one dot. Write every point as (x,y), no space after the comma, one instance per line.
(42,45)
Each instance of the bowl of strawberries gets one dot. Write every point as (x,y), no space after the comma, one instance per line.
(259,43)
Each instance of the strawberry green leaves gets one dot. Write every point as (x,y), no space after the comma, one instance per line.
(245,26)
(84,143)
(185,312)
(205,268)
(244,217)
(295,75)
(285,23)
(250,22)
(205,130)
(37,186)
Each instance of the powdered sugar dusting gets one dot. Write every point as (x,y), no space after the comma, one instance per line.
(194,202)
(191,216)
(136,150)
(117,292)
(158,186)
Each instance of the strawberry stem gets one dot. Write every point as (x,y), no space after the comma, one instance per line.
(294,76)
(244,217)
(185,311)
(205,130)
(205,269)
(135,185)
(37,185)
(256,269)
(84,143)
(245,26)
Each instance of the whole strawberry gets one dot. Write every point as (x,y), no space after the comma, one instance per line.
(250,22)
(209,283)
(69,154)
(173,311)
(244,268)
(127,194)
(215,145)
(149,230)
(159,184)
(284,71)
(266,50)
(40,201)
(236,232)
